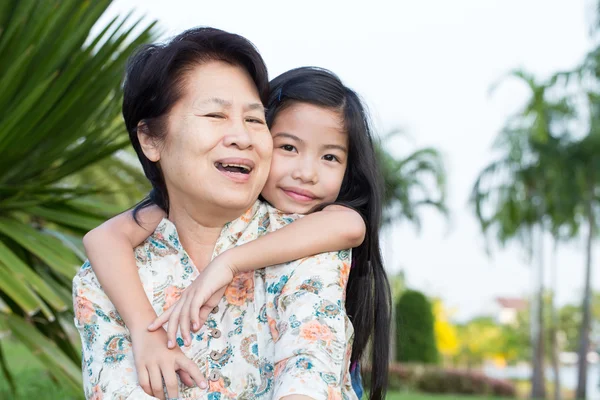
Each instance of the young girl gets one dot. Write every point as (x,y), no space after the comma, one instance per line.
(323,165)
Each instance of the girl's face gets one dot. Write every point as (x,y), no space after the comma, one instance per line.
(310,154)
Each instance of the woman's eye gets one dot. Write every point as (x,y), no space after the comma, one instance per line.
(219,116)
(331,157)
(255,121)
(288,147)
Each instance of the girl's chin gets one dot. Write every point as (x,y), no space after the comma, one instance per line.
(295,209)
(286,206)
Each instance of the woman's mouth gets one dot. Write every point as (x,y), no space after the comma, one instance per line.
(237,169)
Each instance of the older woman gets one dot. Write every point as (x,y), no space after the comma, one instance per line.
(278,333)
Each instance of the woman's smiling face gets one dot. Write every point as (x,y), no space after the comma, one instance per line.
(217,149)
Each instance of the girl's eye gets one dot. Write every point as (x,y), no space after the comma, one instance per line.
(331,157)
(288,147)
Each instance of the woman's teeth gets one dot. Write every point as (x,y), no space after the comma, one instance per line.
(239,168)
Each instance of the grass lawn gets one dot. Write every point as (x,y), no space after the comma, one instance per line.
(419,396)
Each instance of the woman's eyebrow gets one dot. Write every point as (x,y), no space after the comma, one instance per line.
(254,106)
(217,100)
(227,104)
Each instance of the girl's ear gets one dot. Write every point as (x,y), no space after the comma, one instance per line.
(147,142)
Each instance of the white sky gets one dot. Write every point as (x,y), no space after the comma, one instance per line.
(425,66)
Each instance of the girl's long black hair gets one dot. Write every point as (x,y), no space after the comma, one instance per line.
(368,299)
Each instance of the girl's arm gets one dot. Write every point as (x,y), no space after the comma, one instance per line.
(334,228)
(109,248)
(110,251)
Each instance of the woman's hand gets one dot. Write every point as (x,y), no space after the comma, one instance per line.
(155,363)
(197,301)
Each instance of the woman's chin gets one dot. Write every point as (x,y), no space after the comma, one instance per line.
(237,200)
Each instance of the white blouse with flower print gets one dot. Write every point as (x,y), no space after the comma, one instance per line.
(279,331)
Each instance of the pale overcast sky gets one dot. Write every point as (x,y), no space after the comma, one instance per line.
(425,66)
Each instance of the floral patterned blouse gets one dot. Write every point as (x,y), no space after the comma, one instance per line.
(278,331)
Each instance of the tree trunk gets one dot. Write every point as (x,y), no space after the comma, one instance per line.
(394,357)
(538,381)
(554,323)
(584,333)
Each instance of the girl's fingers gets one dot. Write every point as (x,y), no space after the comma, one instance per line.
(186,378)
(144,379)
(195,307)
(184,322)
(173,325)
(162,319)
(156,382)
(190,367)
(203,314)
(171,382)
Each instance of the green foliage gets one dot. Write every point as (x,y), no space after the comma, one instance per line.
(397,286)
(412,182)
(569,323)
(482,339)
(31,379)
(527,181)
(60,136)
(415,329)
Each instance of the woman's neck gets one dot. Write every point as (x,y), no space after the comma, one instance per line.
(197,234)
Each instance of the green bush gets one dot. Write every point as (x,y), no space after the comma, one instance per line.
(415,329)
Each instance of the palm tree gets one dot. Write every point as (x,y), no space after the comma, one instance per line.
(514,216)
(412,182)
(585,159)
(60,136)
(585,155)
(511,195)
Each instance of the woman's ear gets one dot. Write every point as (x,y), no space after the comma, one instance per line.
(147,142)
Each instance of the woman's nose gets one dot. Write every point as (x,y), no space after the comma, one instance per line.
(238,136)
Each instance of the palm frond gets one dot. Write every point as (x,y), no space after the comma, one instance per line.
(412,182)
(60,169)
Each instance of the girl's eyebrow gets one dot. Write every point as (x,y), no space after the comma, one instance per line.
(336,146)
(289,136)
(297,139)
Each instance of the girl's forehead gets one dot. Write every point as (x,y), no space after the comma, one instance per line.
(303,115)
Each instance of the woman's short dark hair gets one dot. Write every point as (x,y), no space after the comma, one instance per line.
(155,79)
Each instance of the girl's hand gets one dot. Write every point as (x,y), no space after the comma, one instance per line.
(156,364)
(197,301)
